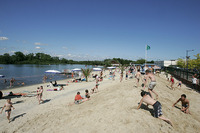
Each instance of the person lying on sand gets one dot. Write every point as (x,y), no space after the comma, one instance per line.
(8,107)
(185,104)
(156,106)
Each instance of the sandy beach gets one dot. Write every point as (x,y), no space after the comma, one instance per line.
(112,109)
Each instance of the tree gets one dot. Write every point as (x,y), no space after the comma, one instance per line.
(86,73)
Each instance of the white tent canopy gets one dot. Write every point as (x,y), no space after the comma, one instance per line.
(111,67)
(76,69)
(97,69)
(52,71)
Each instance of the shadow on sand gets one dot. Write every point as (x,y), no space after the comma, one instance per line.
(148,109)
(21,115)
(18,102)
(46,101)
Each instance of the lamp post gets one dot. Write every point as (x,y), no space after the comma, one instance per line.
(187,57)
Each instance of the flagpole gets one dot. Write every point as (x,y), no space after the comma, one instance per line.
(145,57)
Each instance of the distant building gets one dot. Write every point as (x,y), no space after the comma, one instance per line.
(166,63)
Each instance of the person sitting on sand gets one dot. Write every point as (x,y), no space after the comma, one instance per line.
(8,107)
(185,104)
(156,106)
(39,94)
(152,83)
(55,84)
(51,84)
(87,95)
(78,98)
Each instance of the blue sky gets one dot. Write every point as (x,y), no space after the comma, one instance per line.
(99,29)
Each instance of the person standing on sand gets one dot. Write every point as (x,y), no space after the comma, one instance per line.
(194,82)
(121,76)
(12,82)
(8,107)
(156,106)
(138,76)
(185,104)
(145,81)
(39,94)
(172,82)
(126,75)
(152,83)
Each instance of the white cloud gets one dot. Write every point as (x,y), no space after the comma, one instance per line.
(38,43)
(69,55)
(37,47)
(3,38)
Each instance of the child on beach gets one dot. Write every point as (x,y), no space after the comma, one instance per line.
(126,75)
(156,106)
(185,104)
(87,95)
(179,84)
(79,99)
(172,82)
(8,107)
(95,89)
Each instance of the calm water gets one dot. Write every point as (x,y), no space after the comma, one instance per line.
(32,74)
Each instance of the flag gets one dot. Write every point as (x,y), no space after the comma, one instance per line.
(148,47)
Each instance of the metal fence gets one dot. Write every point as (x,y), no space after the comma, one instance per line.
(183,75)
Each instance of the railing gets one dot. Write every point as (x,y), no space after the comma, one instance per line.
(183,75)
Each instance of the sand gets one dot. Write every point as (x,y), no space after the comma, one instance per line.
(112,109)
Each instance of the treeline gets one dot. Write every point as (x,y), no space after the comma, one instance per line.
(41,58)
(192,63)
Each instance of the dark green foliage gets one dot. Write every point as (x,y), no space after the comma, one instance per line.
(41,58)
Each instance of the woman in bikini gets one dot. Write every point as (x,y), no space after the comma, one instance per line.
(7,107)
(39,94)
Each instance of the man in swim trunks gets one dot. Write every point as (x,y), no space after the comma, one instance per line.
(138,76)
(179,84)
(185,104)
(152,83)
(156,106)
(7,107)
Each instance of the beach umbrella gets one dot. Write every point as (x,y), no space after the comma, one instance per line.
(52,71)
(111,67)
(2,76)
(76,69)
(97,69)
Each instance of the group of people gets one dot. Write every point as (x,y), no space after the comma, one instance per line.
(147,97)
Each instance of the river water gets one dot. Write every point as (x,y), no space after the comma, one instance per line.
(32,74)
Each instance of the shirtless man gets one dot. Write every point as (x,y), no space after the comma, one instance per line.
(138,76)
(185,104)
(152,83)
(156,106)
(7,107)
